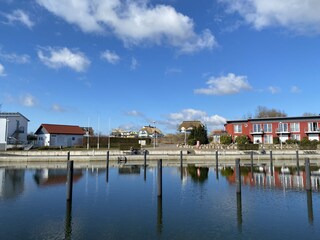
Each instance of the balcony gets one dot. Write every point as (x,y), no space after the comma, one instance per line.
(257,132)
(282,131)
(312,130)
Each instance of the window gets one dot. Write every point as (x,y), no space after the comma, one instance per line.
(257,128)
(295,127)
(283,127)
(312,126)
(237,128)
(73,138)
(295,137)
(268,139)
(267,127)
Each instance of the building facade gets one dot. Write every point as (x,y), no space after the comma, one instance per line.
(264,130)
(13,129)
(59,135)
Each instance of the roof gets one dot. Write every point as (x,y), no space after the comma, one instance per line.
(12,114)
(316,117)
(151,129)
(190,124)
(61,129)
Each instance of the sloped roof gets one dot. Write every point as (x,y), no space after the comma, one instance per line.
(12,114)
(188,125)
(151,129)
(61,129)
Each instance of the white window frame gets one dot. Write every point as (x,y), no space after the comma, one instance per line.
(268,139)
(295,137)
(283,127)
(256,127)
(267,128)
(237,128)
(295,127)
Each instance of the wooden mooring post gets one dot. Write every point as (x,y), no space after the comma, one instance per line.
(297,158)
(107,166)
(271,164)
(251,158)
(308,174)
(181,165)
(238,175)
(145,165)
(69,178)
(310,207)
(159,178)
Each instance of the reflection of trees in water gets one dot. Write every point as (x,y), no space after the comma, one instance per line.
(227,171)
(198,174)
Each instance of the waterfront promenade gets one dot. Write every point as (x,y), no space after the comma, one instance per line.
(169,154)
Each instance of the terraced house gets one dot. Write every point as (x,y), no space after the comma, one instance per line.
(264,130)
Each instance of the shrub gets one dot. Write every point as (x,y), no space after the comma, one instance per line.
(225,139)
(243,139)
(306,144)
(248,146)
(276,140)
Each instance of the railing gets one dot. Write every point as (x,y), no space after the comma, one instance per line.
(282,130)
(312,130)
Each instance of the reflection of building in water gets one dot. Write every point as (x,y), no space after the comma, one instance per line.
(134,169)
(278,180)
(47,177)
(11,183)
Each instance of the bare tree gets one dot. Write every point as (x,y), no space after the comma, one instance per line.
(306,114)
(264,112)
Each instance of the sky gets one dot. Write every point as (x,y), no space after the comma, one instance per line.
(126,64)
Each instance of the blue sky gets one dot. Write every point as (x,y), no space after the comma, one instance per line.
(129,63)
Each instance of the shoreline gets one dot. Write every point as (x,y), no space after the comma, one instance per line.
(169,157)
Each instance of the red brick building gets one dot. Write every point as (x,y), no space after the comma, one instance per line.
(263,130)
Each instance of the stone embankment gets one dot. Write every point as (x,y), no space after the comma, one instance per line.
(170,156)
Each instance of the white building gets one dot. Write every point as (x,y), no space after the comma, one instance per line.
(13,129)
(59,135)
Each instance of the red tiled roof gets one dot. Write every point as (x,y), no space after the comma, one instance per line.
(63,129)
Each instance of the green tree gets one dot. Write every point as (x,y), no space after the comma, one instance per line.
(198,134)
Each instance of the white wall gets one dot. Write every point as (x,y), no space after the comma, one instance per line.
(3,129)
(55,140)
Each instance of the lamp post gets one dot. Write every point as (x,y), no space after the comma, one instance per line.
(280,128)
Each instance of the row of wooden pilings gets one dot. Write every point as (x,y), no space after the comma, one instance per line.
(159,170)
(159,185)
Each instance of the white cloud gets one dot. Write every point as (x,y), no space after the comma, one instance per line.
(134,113)
(63,57)
(134,22)
(170,71)
(28,100)
(134,64)
(230,84)
(295,89)
(2,72)
(297,15)
(19,16)
(214,121)
(57,108)
(274,90)
(15,58)
(111,57)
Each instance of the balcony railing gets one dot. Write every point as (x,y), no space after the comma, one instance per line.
(312,130)
(257,132)
(282,130)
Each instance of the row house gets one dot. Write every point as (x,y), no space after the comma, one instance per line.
(263,130)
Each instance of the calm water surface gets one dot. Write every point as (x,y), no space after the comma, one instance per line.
(197,203)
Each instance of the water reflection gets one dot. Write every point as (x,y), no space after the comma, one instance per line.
(11,183)
(134,169)
(239,211)
(68,220)
(159,215)
(310,207)
(50,177)
(283,177)
(198,174)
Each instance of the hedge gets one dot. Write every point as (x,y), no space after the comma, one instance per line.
(248,146)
